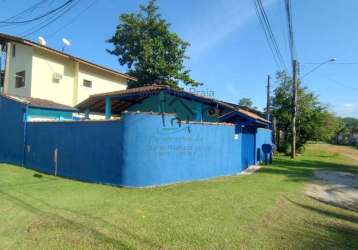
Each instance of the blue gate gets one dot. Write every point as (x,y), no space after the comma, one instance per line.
(248,147)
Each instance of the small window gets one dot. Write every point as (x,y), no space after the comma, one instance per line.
(87,83)
(56,77)
(13,50)
(20,79)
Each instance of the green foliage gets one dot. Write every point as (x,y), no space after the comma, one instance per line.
(153,54)
(343,135)
(351,122)
(247,102)
(314,122)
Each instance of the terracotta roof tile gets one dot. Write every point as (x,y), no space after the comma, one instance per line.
(155,89)
(41,103)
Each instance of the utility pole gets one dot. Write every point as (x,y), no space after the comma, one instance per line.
(268,105)
(295,67)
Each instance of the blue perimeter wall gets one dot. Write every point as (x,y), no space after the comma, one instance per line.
(12,131)
(139,150)
(263,136)
(86,150)
(158,151)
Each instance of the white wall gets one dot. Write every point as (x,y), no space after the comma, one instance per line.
(101,82)
(41,65)
(21,61)
(45,64)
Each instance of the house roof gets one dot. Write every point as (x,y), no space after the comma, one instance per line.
(122,99)
(39,103)
(9,38)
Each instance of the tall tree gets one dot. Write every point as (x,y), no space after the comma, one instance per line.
(314,121)
(247,102)
(152,53)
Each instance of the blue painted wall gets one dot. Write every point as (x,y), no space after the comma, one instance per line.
(11,131)
(263,136)
(159,151)
(86,150)
(137,151)
(248,146)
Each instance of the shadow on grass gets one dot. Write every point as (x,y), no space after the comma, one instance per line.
(341,234)
(73,224)
(326,212)
(302,170)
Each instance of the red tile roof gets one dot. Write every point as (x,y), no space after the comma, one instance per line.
(40,103)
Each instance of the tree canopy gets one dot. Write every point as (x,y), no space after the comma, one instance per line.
(152,53)
(247,102)
(314,121)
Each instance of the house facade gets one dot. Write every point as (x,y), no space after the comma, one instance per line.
(37,71)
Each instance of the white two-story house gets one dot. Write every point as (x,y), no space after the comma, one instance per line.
(37,71)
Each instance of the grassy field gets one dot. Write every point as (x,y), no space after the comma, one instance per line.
(266,210)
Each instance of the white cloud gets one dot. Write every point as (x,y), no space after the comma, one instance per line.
(350,107)
(347,110)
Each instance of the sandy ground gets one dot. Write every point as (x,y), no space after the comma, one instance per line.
(353,157)
(251,170)
(336,188)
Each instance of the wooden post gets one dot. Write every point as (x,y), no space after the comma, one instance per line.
(55,156)
(294,107)
(268,105)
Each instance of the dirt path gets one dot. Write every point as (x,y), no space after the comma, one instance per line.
(342,150)
(334,187)
(353,157)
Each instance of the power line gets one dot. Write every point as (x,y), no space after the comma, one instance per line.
(23,13)
(73,19)
(49,20)
(269,35)
(346,63)
(338,83)
(28,10)
(271,32)
(291,37)
(38,17)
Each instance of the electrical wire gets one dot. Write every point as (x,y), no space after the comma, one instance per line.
(49,20)
(344,63)
(269,35)
(30,10)
(291,37)
(338,83)
(73,19)
(276,47)
(59,8)
(23,13)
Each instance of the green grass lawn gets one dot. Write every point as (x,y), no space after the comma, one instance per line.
(266,210)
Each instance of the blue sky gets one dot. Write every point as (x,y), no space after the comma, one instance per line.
(228,50)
